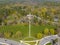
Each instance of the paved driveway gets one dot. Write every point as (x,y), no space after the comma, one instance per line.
(10,42)
(47,39)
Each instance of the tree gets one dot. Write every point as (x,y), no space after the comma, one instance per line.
(39,35)
(53,11)
(43,10)
(7,34)
(52,31)
(1,34)
(46,31)
(18,34)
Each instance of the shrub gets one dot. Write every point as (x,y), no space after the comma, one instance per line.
(1,34)
(18,34)
(7,34)
(39,35)
(52,31)
(46,31)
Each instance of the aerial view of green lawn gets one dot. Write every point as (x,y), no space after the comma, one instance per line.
(23,30)
(29,22)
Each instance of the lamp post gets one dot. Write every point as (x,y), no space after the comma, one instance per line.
(30,18)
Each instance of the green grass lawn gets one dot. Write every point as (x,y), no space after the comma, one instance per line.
(31,43)
(49,44)
(24,29)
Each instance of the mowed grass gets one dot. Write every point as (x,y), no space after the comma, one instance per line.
(49,44)
(40,28)
(31,43)
(24,29)
(15,28)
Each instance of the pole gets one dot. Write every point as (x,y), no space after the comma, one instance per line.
(29,28)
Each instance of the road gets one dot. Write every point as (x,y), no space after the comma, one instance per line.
(47,39)
(10,42)
(43,41)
